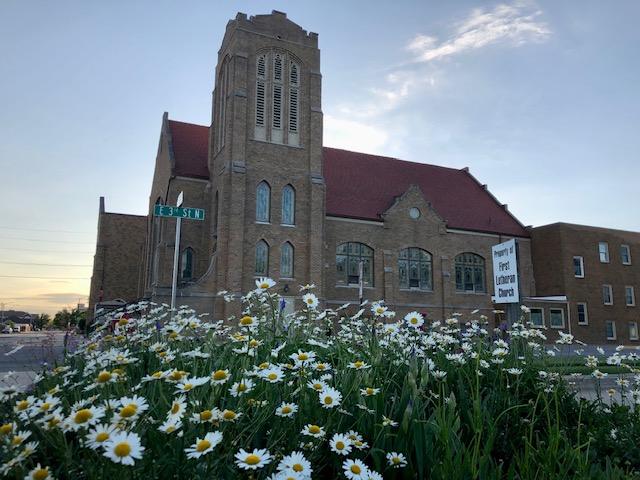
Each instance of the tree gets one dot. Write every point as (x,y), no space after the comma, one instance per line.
(65,318)
(41,321)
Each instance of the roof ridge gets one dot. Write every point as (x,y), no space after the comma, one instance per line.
(188,123)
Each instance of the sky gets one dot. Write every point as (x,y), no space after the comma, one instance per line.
(539,99)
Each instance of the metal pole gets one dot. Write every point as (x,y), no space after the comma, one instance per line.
(360,281)
(176,253)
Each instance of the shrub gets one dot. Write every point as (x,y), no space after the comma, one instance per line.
(329,394)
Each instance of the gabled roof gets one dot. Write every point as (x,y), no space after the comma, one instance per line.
(190,149)
(364,186)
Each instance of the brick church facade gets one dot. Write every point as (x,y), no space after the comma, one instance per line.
(280,204)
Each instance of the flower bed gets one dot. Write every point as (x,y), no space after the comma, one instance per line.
(348,393)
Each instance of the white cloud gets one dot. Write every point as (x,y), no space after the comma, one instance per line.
(353,135)
(515,24)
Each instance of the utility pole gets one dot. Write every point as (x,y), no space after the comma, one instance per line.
(176,254)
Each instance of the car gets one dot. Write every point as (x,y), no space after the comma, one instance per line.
(7,330)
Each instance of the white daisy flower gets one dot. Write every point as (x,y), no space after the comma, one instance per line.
(220,376)
(359,365)
(310,301)
(205,416)
(229,415)
(123,447)
(202,446)
(84,417)
(39,473)
(355,469)
(340,444)
(295,464)
(414,319)
(396,460)
(97,436)
(369,391)
(303,358)
(178,407)
(330,398)
(170,425)
(242,387)
(272,375)
(254,460)
(286,409)
(248,322)
(317,385)
(313,431)
(132,408)
(264,283)
(191,383)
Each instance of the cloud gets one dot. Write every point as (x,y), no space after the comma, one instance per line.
(353,135)
(514,24)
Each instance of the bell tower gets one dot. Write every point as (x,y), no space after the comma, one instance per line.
(265,156)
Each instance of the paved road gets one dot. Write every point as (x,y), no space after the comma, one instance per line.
(29,351)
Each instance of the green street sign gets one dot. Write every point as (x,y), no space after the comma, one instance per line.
(179,212)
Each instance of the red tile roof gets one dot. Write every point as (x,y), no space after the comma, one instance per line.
(365,186)
(190,149)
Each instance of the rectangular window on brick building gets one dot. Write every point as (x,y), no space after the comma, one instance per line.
(583,318)
(607,295)
(633,330)
(629,296)
(537,317)
(578,267)
(603,251)
(610,328)
(556,318)
(625,254)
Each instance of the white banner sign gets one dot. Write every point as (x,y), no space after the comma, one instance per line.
(505,272)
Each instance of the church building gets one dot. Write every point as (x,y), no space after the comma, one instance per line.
(278,203)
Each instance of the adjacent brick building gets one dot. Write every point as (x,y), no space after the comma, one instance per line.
(280,204)
(595,269)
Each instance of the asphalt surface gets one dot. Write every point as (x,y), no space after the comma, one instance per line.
(26,352)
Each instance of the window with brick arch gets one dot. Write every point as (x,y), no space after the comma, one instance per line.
(288,205)
(415,269)
(261,86)
(470,273)
(348,258)
(294,91)
(263,202)
(286,260)
(186,264)
(262,258)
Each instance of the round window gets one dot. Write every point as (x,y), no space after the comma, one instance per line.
(414,213)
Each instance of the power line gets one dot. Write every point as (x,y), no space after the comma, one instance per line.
(44,264)
(46,278)
(45,241)
(45,251)
(3,227)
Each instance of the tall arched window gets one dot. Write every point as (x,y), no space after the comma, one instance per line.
(288,205)
(415,269)
(470,273)
(276,107)
(186,264)
(262,258)
(286,260)
(294,85)
(261,81)
(263,202)
(348,258)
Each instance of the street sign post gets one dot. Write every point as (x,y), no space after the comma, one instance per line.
(179,212)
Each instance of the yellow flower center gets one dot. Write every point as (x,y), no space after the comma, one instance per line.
(246,320)
(340,445)
(23,405)
(53,422)
(40,474)
(104,377)
(83,416)
(6,429)
(171,428)
(229,415)
(117,371)
(370,391)
(252,459)
(414,320)
(303,356)
(314,429)
(17,440)
(45,406)
(206,415)
(187,386)
(102,436)
(309,301)
(359,364)
(91,346)
(297,467)
(355,469)
(122,322)
(357,443)
(395,460)
(379,310)
(176,375)
(264,285)
(123,449)
(53,390)
(120,338)
(263,365)
(162,354)
(202,445)
(156,374)
(328,400)
(254,343)
(286,409)
(219,375)
(320,366)
(242,387)
(272,376)
(175,408)
(129,411)
(173,335)
(317,386)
